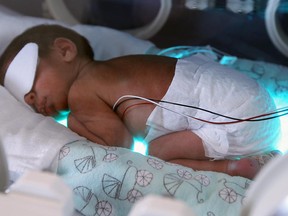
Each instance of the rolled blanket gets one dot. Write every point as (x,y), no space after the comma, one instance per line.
(110,180)
(31,141)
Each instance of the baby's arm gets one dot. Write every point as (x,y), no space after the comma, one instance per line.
(79,128)
(103,127)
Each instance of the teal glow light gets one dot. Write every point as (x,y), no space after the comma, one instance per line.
(185,51)
(62,118)
(63,122)
(140,146)
(283,143)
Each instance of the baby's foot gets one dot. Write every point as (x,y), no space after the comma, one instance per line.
(250,166)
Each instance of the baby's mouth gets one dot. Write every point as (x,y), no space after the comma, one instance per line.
(42,110)
(50,110)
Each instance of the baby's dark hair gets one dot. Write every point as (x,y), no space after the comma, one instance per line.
(43,36)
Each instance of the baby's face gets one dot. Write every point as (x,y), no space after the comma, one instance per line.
(39,82)
(49,94)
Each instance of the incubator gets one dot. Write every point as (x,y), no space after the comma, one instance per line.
(37,193)
(34,194)
(45,193)
(274,12)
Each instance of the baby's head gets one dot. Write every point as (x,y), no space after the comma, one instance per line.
(39,40)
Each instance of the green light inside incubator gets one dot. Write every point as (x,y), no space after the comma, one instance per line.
(282,102)
(62,117)
(140,146)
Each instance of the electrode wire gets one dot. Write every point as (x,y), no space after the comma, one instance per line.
(273,114)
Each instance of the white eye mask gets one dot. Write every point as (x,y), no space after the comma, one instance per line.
(21,72)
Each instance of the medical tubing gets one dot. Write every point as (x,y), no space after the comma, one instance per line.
(283,110)
(190,49)
(254,118)
(133,105)
(236,121)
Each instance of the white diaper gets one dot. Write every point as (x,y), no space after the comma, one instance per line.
(204,83)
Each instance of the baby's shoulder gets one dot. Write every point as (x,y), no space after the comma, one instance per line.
(81,91)
(86,102)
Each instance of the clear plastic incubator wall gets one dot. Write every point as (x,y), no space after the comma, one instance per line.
(46,170)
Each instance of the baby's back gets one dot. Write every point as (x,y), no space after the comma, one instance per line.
(144,76)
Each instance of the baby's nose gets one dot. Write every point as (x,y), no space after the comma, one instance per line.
(30,98)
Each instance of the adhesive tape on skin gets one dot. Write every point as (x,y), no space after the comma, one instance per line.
(21,72)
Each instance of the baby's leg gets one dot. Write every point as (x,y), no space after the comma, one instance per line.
(249,167)
(181,144)
(245,167)
(186,148)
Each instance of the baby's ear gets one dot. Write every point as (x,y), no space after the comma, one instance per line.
(67,49)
